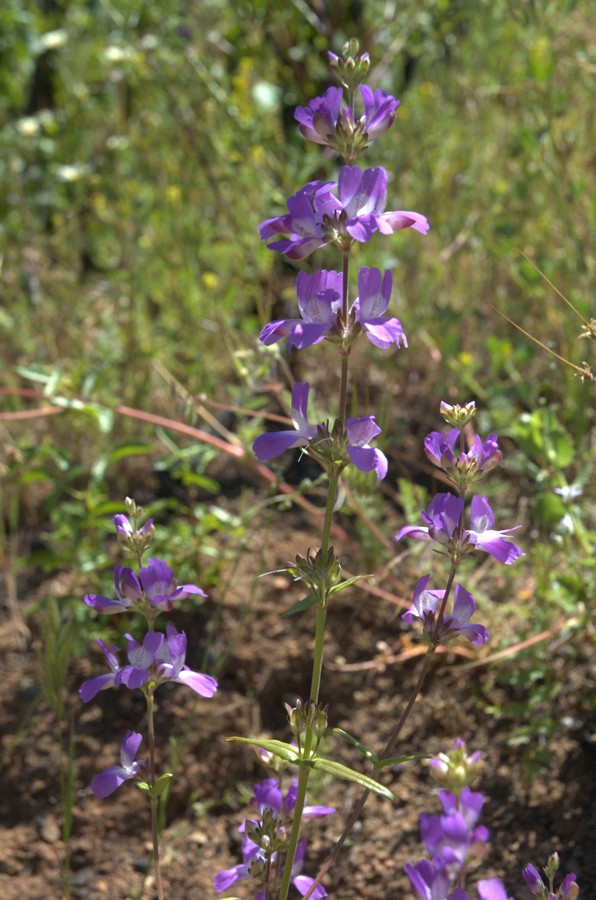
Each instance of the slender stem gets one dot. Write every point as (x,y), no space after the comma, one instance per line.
(345,356)
(321,612)
(355,814)
(154,800)
(317,671)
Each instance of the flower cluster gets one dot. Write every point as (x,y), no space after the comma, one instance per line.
(454,839)
(317,216)
(331,448)
(329,121)
(264,839)
(444,526)
(567,890)
(320,306)
(154,588)
(156,659)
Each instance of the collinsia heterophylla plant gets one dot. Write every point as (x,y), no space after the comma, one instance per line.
(263,839)
(342,213)
(152,661)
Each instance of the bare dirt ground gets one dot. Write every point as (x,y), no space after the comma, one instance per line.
(267,662)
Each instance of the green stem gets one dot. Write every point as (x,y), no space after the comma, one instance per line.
(321,613)
(154,800)
(334,853)
(345,353)
(317,671)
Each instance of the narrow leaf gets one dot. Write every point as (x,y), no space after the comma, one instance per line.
(287,752)
(306,603)
(365,752)
(398,760)
(347,583)
(340,771)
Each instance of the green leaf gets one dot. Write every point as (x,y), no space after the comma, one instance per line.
(306,603)
(158,788)
(372,757)
(398,760)
(287,752)
(347,583)
(340,771)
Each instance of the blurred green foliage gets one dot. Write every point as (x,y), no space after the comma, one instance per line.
(141,144)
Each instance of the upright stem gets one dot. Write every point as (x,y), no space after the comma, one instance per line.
(345,356)
(154,800)
(317,671)
(321,611)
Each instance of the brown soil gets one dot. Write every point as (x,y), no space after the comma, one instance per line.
(266,663)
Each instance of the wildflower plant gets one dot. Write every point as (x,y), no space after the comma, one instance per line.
(344,213)
(151,661)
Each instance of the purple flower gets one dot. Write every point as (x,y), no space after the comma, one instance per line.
(267,446)
(317,217)
(171,656)
(492,889)
(268,795)
(484,537)
(125,530)
(439,447)
(535,884)
(155,583)
(159,658)
(370,306)
(303,223)
(426,603)
(323,121)
(442,518)
(360,432)
(379,111)
(319,301)
(107,782)
(429,884)
(318,120)
(451,837)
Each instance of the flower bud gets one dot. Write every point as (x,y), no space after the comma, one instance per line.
(456,769)
(535,884)
(457,416)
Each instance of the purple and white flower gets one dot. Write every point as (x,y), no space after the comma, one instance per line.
(316,216)
(370,307)
(426,604)
(443,524)
(109,781)
(155,583)
(319,302)
(359,433)
(158,658)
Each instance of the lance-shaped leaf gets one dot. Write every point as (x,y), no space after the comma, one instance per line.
(287,752)
(306,603)
(338,770)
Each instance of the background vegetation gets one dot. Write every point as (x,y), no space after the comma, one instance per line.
(140,145)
